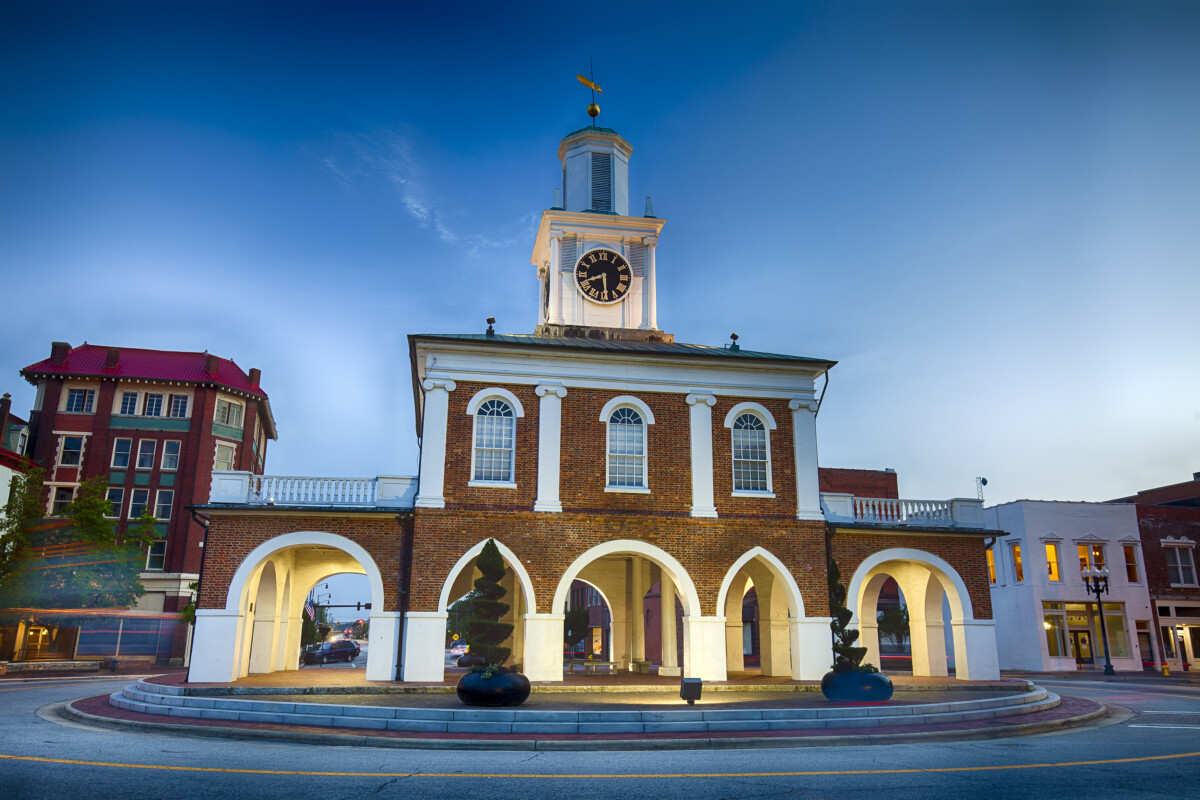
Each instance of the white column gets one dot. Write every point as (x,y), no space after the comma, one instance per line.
(544,647)
(812,648)
(804,440)
(704,648)
(214,646)
(433,443)
(424,656)
(868,637)
(289,642)
(648,290)
(383,645)
(669,661)
(555,283)
(700,415)
(637,610)
(735,660)
(975,654)
(549,446)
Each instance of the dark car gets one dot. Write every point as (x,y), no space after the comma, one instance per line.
(341,650)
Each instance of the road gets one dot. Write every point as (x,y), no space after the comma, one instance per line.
(1153,752)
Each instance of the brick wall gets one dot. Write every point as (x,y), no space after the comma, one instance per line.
(859,482)
(1156,523)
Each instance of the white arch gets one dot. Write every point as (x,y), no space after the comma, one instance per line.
(756,408)
(299,539)
(960,598)
(683,581)
(494,391)
(509,557)
(794,598)
(626,400)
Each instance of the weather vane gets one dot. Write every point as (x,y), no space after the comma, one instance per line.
(592,109)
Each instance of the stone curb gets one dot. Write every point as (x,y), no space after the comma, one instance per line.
(103,676)
(724,743)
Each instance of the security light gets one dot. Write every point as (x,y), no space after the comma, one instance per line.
(689,689)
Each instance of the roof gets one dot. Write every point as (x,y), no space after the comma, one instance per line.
(1178,494)
(620,346)
(88,360)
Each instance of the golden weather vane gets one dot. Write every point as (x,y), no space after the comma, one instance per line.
(593,110)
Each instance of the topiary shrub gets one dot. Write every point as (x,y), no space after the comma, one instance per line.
(485,631)
(846,657)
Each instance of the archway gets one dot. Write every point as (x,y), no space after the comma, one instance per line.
(929,586)
(258,630)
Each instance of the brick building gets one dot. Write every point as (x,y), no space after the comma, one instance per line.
(598,449)
(156,424)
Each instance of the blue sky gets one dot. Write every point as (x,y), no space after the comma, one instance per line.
(986,212)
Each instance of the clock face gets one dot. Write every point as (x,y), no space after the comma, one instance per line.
(603,276)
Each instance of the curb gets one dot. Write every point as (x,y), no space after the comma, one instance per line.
(723,743)
(89,677)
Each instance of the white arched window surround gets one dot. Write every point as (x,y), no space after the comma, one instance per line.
(477,402)
(768,421)
(647,417)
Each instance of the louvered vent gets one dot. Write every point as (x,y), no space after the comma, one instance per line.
(601,182)
(637,259)
(566,257)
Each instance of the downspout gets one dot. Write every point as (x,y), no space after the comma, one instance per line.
(406,548)
(821,399)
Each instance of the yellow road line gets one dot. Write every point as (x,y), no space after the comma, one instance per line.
(925,770)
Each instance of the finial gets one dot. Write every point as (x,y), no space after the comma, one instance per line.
(649,207)
(593,110)
(557,198)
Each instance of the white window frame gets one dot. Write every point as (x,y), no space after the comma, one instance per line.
(128,453)
(232,458)
(1137,561)
(229,404)
(768,421)
(606,413)
(133,502)
(473,406)
(54,490)
(146,403)
(1052,539)
(1180,546)
(134,396)
(120,490)
(158,499)
(62,449)
(187,406)
(1018,573)
(1090,543)
(151,454)
(88,400)
(159,545)
(162,464)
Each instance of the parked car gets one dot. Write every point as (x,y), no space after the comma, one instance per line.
(342,650)
(459,649)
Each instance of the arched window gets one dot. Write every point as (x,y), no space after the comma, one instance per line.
(626,449)
(495,434)
(751,461)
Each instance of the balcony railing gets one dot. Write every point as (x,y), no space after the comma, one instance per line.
(244,488)
(957,512)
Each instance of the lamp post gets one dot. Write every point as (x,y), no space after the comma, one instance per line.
(1095,581)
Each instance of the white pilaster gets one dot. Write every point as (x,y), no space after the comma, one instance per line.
(383,645)
(700,415)
(638,651)
(804,438)
(424,658)
(668,660)
(975,654)
(549,446)
(543,647)
(648,288)
(704,648)
(433,443)
(555,284)
(812,648)
(868,637)
(214,646)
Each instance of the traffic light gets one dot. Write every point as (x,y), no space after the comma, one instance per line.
(361,606)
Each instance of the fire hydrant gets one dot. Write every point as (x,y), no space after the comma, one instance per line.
(1166,671)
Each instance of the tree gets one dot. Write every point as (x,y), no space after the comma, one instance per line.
(893,623)
(575,626)
(846,657)
(485,631)
(21,513)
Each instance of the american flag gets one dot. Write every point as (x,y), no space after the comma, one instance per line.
(308,609)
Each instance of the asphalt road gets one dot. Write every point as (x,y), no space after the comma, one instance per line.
(1153,752)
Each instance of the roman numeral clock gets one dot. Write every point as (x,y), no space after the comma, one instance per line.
(603,276)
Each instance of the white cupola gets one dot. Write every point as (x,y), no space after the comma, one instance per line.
(595,171)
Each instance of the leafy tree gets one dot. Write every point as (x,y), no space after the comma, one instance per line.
(893,623)
(485,631)
(575,626)
(846,657)
(21,513)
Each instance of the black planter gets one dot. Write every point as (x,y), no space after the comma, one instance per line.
(469,661)
(505,688)
(857,687)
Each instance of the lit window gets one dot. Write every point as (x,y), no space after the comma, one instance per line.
(991,564)
(63,495)
(225,455)
(1018,570)
(162,509)
(156,555)
(152,405)
(178,406)
(121,451)
(129,403)
(79,401)
(1090,555)
(750,461)
(626,449)
(170,457)
(1131,565)
(137,502)
(229,413)
(145,459)
(1052,561)
(1181,570)
(495,433)
(72,451)
(115,497)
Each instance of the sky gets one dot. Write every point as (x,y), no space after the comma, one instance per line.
(987,213)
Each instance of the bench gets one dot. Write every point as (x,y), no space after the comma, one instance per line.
(591,665)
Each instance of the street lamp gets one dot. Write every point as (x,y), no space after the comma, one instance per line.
(1095,581)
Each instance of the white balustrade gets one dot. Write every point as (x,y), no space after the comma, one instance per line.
(891,511)
(288,490)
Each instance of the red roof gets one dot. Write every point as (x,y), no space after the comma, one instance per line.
(161,365)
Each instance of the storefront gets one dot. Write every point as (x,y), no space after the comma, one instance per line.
(1074,640)
(1179,629)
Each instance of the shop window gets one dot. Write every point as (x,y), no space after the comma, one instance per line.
(72,451)
(170,456)
(1114,621)
(145,459)
(1056,636)
(121,451)
(80,401)
(1052,561)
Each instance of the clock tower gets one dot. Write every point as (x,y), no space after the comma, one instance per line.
(596,263)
